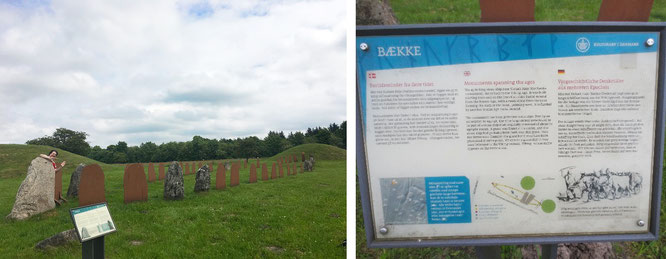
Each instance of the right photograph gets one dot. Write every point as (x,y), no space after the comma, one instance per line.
(510,129)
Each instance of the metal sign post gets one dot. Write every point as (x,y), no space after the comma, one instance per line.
(92,223)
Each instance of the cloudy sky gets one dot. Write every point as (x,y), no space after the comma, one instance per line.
(160,71)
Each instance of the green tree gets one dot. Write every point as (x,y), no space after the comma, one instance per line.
(66,139)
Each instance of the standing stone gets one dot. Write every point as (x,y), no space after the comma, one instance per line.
(74,181)
(187,169)
(221,177)
(273,172)
(151,172)
(235,176)
(91,190)
(35,194)
(281,168)
(312,161)
(253,173)
(134,183)
(302,156)
(264,172)
(202,179)
(174,185)
(161,177)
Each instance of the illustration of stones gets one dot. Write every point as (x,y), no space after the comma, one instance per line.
(235,176)
(74,181)
(253,173)
(264,172)
(600,185)
(273,171)
(151,173)
(221,177)
(161,177)
(35,194)
(174,184)
(202,179)
(91,189)
(134,183)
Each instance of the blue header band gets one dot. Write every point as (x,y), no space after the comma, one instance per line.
(394,52)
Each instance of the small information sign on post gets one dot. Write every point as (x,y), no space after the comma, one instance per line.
(92,223)
(510,133)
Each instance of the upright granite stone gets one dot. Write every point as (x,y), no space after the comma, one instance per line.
(273,172)
(264,172)
(91,190)
(151,173)
(202,179)
(221,177)
(174,185)
(35,195)
(253,173)
(134,183)
(161,177)
(235,175)
(74,181)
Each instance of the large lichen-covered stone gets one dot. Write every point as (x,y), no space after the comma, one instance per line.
(59,239)
(35,195)
(174,184)
(202,179)
(74,181)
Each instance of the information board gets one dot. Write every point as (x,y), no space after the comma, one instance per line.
(92,221)
(471,133)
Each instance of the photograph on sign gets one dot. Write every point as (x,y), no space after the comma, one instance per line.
(509,134)
(92,221)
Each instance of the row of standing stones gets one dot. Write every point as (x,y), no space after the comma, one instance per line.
(87,182)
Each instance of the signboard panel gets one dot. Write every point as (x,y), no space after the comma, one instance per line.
(469,133)
(92,221)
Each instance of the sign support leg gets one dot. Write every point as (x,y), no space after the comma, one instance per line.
(93,249)
(490,252)
(549,251)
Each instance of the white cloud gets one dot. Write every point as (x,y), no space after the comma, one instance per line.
(163,70)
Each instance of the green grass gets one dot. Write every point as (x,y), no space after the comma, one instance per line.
(464,11)
(295,216)
(319,151)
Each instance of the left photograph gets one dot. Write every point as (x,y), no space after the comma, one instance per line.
(173,129)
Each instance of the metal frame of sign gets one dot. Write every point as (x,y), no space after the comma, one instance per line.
(513,27)
(76,228)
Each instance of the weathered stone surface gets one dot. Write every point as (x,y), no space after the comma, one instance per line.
(174,185)
(202,179)
(59,239)
(134,183)
(253,173)
(151,173)
(221,177)
(161,177)
(74,181)
(264,172)
(235,175)
(273,171)
(307,166)
(91,189)
(35,195)
(374,12)
(312,161)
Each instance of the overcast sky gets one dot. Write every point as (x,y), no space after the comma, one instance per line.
(160,71)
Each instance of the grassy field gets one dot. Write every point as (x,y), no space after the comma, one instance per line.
(295,216)
(464,11)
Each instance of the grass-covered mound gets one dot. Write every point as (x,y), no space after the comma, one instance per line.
(291,217)
(15,159)
(319,151)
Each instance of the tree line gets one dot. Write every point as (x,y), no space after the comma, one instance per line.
(199,148)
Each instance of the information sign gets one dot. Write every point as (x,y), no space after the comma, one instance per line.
(92,221)
(474,132)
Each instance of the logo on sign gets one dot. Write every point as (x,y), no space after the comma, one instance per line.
(372,75)
(582,45)
(467,73)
